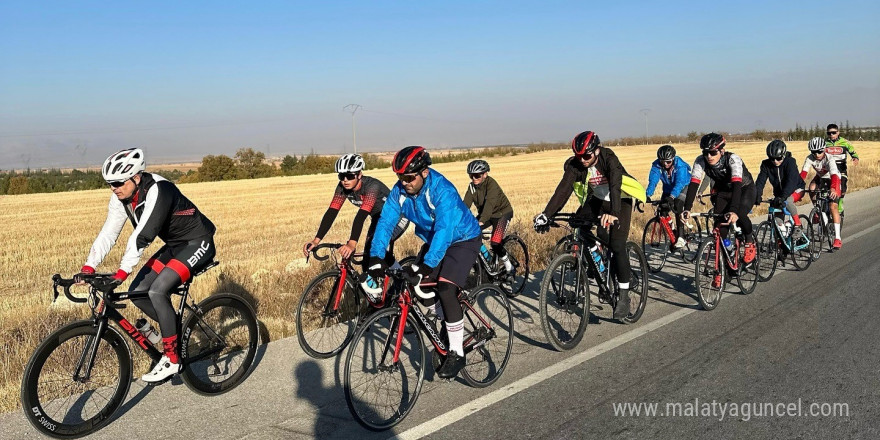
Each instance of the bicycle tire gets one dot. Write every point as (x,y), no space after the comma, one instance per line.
(802,258)
(565,245)
(818,232)
(65,346)
(518,254)
(369,347)
(320,333)
(748,273)
(768,249)
(638,293)
(564,329)
(693,236)
(708,295)
(226,320)
(655,244)
(485,363)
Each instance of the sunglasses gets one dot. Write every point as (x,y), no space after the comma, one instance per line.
(476,176)
(778,158)
(666,162)
(831,133)
(117,184)
(347,176)
(407,178)
(586,156)
(712,153)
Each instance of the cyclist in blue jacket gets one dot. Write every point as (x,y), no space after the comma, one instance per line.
(451,235)
(675,174)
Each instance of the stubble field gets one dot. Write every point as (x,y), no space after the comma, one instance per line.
(262,225)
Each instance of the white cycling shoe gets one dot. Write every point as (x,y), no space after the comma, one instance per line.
(162,371)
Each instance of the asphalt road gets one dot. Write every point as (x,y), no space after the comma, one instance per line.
(803,343)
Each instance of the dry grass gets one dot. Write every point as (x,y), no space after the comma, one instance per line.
(262,225)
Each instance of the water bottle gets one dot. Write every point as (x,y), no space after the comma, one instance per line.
(731,250)
(147,330)
(373,284)
(784,227)
(787,230)
(597,257)
(485,252)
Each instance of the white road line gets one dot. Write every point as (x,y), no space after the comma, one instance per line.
(533,379)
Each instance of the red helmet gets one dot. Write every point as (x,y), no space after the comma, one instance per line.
(410,160)
(585,142)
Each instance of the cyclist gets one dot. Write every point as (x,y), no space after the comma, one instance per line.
(733,190)
(675,174)
(365,192)
(837,147)
(452,241)
(827,176)
(493,208)
(156,208)
(606,192)
(782,172)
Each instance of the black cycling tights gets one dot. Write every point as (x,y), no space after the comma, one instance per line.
(167,269)
(448,294)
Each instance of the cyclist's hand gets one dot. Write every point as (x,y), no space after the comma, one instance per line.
(607,220)
(377,268)
(648,199)
(758,200)
(835,193)
(415,272)
(308,246)
(542,223)
(669,200)
(685,215)
(348,249)
(120,276)
(731,218)
(86,270)
(855,161)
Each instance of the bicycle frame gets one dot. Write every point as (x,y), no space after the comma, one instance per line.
(716,235)
(785,239)
(665,222)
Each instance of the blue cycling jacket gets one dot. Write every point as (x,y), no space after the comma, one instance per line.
(441,218)
(681,177)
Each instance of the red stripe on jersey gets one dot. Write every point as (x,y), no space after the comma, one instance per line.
(180,268)
(803,175)
(337,201)
(155,265)
(695,180)
(190,211)
(369,202)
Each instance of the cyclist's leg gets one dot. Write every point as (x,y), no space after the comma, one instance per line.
(451,273)
(677,209)
(749,193)
(145,278)
(499,230)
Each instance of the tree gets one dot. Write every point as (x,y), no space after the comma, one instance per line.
(288,165)
(18,185)
(252,164)
(215,168)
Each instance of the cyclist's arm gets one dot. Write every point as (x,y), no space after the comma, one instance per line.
(806,168)
(653,179)
(157,208)
(736,184)
(447,216)
(493,195)
(834,172)
(391,213)
(792,178)
(614,173)
(369,200)
(850,149)
(696,178)
(682,177)
(109,232)
(761,181)
(563,190)
(469,195)
(332,212)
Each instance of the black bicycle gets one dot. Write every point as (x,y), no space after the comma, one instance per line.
(490,269)
(564,299)
(80,374)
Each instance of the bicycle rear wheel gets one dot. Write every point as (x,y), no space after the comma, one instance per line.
(638,286)
(655,243)
(518,254)
(380,392)
(709,275)
(768,250)
(324,328)
(60,406)
(801,256)
(488,334)
(747,278)
(693,236)
(219,344)
(564,302)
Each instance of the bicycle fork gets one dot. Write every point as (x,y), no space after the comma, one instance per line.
(90,351)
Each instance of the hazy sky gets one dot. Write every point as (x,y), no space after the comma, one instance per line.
(79,80)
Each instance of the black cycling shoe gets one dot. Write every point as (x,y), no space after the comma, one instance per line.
(622,309)
(450,366)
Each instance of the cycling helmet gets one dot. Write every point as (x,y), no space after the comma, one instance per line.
(666,152)
(478,166)
(816,144)
(123,165)
(712,141)
(350,163)
(585,142)
(410,160)
(776,148)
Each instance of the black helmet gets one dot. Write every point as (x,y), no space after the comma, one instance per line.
(666,152)
(410,160)
(712,141)
(585,142)
(776,148)
(478,166)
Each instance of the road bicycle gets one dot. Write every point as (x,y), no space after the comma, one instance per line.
(564,297)
(80,374)
(658,237)
(776,244)
(820,221)
(490,269)
(387,360)
(715,264)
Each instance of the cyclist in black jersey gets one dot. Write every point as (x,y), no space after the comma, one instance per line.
(369,195)
(733,189)
(156,208)
(493,208)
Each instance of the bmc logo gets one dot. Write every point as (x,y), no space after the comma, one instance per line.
(134,333)
(200,252)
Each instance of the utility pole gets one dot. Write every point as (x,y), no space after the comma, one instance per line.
(353,108)
(645,112)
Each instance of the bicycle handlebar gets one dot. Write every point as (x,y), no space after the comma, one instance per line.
(400,274)
(100,281)
(333,246)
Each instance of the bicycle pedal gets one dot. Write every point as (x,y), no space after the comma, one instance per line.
(155,384)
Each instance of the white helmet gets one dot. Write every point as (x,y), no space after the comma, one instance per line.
(816,144)
(350,163)
(123,165)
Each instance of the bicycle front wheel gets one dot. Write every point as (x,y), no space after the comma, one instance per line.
(564,302)
(518,254)
(747,278)
(326,323)
(693,236)
(709,275)
(818,233)
(56,400)
(379,391)
(638,286)
(768,250)
(488,335)
(801,256)
(219,344)
(655,243)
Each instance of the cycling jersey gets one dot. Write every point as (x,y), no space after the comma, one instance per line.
(438,213)
(729,176)
(674,180)
(838,150)
(783,178)
(369,197)
(489,198)
(156,209)
(826,167)
(606,180)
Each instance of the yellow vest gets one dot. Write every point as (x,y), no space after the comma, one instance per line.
(629,187)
